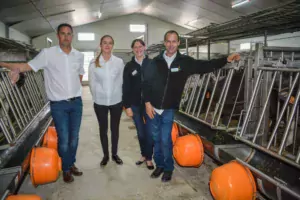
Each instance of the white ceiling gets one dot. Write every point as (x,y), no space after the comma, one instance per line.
(26,15)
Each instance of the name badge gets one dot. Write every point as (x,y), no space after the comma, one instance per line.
(134,73)
(174,69)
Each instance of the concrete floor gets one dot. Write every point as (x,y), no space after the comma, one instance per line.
(126,182)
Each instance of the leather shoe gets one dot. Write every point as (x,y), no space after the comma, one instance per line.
(68,178)
(117,159)
(104,161)
(150,167)
(167,176)
(157,172)
(75,171)
(139,162)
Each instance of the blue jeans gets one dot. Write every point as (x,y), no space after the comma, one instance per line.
(143,132)
(67,119)
(161,127)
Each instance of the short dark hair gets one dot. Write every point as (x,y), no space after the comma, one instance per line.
(137,40)
(171,32)
(64,25)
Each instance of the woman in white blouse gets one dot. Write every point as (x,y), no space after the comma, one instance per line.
(105,79)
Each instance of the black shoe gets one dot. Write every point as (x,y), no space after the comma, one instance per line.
(167,176)
(117,159)
(157,172)
(104,161)
(139,162)
(150,167)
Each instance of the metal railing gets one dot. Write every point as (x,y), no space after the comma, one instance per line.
(210,98)
(275,101)
(19,104)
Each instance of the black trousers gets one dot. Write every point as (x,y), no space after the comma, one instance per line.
(115,116)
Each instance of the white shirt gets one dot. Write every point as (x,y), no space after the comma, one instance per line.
(106,81)
(61,72)
(137,61)
(169,61)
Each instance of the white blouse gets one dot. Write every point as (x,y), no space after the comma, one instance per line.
(106,81)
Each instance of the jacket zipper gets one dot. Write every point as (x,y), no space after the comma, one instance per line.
(165,89)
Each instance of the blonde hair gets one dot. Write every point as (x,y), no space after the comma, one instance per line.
(97,61)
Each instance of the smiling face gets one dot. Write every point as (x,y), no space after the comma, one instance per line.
(65,36)
(171,44)
(106,44)
(138,49)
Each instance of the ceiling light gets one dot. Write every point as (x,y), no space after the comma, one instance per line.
(239,3)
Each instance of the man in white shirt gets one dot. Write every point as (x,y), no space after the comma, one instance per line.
(63,71)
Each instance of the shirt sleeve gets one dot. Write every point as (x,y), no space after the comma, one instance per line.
(126,87)
(81,69)
(91,78)
(39,62)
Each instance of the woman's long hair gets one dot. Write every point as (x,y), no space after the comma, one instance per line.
(97,61)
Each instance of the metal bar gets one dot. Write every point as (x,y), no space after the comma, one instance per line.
(271,68)
(271,153)
(278,105)
(5,131)
(236,99)
(257,84)
(10,104)
(208,49)
(201,86)
(30,91)
(8,118)
(228,47)
(264,108)
(35,89)
(220,98)
(38,86)
(295,130)
(266,38)
(225,95)
(204,92)
(23,102)
(24,99)
(42,85)
(13,98)
(186,46)
(282,145)
(282,111)
(298,157)
(197,51)
(18,99)
(212,94)
(186,89)
(278,184)
(193,93)
(198,96)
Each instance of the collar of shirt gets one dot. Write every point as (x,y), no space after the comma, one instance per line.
(136,60)
(105,61)
(61,51)
(168,59)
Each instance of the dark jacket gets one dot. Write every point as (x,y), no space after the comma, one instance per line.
(162,87)
(132,82)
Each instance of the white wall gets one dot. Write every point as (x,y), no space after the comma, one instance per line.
(118,28)
(282,40)
(17,35)
(14,34)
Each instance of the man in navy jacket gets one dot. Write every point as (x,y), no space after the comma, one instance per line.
(164,81)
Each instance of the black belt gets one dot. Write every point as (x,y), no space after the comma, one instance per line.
(72,99)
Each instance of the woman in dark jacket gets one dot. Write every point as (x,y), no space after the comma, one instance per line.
(133,101)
